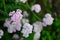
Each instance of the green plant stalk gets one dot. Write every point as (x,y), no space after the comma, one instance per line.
(33,12)
(4,5)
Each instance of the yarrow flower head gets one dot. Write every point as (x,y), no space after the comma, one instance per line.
(27,29)
(14,23)
(48,20)
(7,22)
(16,36)
(24,20)
(37,26)
(17,16)
(47,15)
(12,26)
(1,33)
(25,14)
(12,13)
(36,36)
(36,8)
(23,1)
(37,29)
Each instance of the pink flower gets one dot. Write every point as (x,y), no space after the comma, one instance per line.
(48,15)
(44,24)
(14,23)
(7,22)
(1,33)
(18,26)
(17,16)
(37,36)
(27,29)
(36,8)
(11,13)
(18,10)
(13,27)
(48,20)
(37,26)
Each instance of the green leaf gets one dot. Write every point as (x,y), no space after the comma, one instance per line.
(30,37)
(57,22)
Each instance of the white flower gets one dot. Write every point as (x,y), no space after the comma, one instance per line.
(37,26)
(25,21)
(24,1)
(1,33)
(12,26)
(25,14)
(25,33)
(47,15)
(15,36)
(14,23)
(17,16)
(48,20)
(12,13)
(36,8)
(18,26)
(9,25)
(27,29)
(44,24)
(7,22)
(36,36)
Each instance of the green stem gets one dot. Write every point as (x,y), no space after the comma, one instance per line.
(36,16)
(4,5)
(33,12)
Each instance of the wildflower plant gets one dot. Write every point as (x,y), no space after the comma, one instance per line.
(27,20)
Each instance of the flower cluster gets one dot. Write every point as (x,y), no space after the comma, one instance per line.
(38,26)
(48,20)
(36,36)
(14,23)
(24,20)
(19,19)
(1,33)
(36,8)
(17,16)
(25,14)
(37,29)
(27,29)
